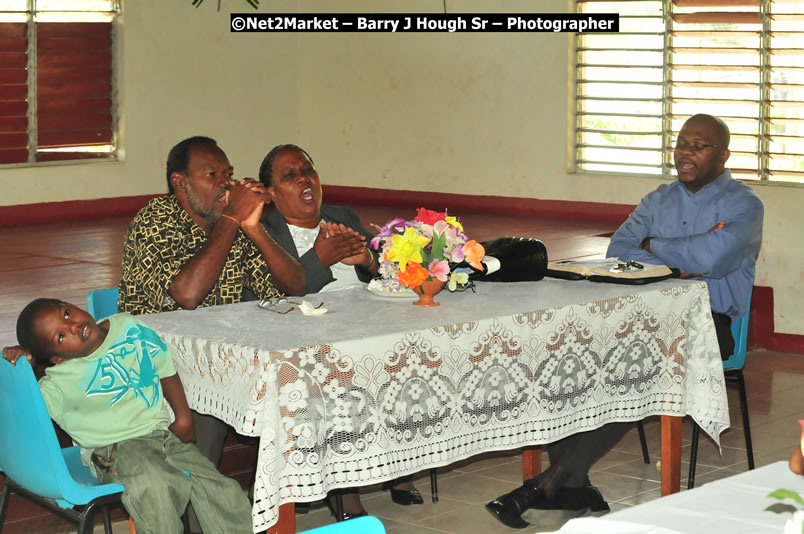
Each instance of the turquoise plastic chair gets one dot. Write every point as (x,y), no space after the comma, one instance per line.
(102,303)
(360,525)
(733,372)
(36,467)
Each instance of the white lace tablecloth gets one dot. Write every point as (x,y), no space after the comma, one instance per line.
(378,388)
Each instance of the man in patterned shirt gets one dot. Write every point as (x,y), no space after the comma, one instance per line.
(200,246)
(203,243)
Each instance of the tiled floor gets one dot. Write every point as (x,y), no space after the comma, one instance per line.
(66,261)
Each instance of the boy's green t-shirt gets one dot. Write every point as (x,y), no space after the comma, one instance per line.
(113,394)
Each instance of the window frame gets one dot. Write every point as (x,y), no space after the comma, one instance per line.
(666,171)
(30,14)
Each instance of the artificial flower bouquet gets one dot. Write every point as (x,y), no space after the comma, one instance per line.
(425,248)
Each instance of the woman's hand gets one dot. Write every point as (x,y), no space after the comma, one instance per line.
(364,258)
(335,243)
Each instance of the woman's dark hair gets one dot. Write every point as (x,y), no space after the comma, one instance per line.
(26,326)
(179,156)
(267,165)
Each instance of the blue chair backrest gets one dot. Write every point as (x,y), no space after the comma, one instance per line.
(739,331)
(29,450)
(359,525)
(102,303)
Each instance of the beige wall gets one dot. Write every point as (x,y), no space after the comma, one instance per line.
(465,113)
(181,73)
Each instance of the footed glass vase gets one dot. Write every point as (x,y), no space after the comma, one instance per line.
(427,291)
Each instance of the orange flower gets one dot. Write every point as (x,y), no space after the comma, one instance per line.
(473,253)
(413,276)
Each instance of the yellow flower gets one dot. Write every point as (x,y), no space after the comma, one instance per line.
(454,222)
(407,247)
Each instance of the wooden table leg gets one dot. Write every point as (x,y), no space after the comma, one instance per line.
(671,454)
(531,462)
(287,520)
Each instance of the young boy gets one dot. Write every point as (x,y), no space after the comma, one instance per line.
(106,391)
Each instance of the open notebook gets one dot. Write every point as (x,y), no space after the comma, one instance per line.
(612,270)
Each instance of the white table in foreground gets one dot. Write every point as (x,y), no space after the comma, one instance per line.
(735,505)
(378,388)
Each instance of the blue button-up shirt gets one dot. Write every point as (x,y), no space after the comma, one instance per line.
(677,221)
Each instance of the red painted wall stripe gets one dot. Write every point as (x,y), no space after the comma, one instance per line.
(71,210)
(762,328)
(523,207)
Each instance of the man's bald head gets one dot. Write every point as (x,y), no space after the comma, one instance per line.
(721,129)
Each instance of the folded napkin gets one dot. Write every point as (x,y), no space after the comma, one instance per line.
(308,309)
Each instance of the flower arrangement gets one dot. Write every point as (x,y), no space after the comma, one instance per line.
(422,249)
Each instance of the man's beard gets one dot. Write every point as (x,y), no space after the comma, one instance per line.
(205,212)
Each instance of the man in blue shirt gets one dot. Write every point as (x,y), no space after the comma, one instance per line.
(707,225)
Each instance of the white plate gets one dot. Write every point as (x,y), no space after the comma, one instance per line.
(384,293)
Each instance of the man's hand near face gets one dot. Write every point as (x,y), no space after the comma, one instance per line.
(246,200)
(245,204)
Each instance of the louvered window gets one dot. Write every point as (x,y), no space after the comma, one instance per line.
(741,60)
(56,80)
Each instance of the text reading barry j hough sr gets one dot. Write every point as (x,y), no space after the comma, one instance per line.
(375,22)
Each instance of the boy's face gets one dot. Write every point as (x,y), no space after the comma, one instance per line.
(67,332)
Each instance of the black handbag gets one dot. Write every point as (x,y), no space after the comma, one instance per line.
(518,259)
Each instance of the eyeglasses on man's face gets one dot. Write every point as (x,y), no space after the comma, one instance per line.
(695,147)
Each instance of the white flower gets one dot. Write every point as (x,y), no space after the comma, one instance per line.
(456,278)
(294,395)
(795,524)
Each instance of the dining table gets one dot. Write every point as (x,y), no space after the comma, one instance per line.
(376,388)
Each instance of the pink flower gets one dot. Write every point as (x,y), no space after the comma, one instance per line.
(439,269)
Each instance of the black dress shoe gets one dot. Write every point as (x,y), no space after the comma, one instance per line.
(583,498)
(566,504)
(405,497)
(345,516)
(508,508)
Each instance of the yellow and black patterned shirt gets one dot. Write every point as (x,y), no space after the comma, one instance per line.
(161,239)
